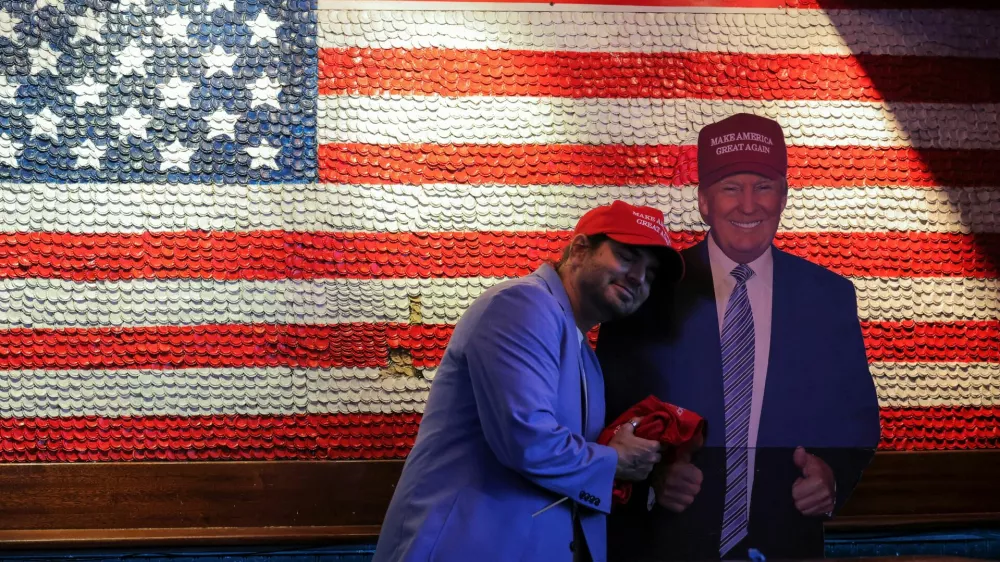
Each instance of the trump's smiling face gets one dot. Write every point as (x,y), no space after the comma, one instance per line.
(744,211)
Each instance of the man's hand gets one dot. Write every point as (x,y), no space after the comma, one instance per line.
(814,493)
(678,483)
(636,456)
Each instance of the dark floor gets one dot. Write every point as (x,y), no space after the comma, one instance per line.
(976,543)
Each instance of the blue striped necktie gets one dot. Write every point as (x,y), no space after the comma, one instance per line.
(737,381)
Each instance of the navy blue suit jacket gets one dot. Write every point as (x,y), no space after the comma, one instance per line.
(509,428)
(819,394)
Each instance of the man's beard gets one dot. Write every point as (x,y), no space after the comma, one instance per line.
(595,291)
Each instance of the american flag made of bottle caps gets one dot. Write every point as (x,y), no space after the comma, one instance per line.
(233,229)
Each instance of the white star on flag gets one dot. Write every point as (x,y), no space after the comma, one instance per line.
(90,25)
(128,3)
(88,154)
(221,123)
(265,92)
(45,124)
(263,155)
(57,4)
(132,60)
(131,122)
(264,29)
(218,61)
(174,27)
(216,4)
(7,24)
(44,57)
(176,92)
(88,91)
(176,155)
(8,90)
(8,150)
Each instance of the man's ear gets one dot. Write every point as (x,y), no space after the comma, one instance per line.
(703,203)
(580,244)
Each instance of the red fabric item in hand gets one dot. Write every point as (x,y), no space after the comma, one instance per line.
(671,425)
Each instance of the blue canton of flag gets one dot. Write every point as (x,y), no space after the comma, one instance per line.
(213,91)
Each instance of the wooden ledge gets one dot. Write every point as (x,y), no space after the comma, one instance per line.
(54,539)
(52,506)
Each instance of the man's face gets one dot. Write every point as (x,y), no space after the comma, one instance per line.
(744,211)
(615,278)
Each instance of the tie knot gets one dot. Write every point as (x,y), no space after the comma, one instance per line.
(741,272)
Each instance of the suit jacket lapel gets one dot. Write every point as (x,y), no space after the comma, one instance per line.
(593,421)
(698,329)
(776,386)
(590,386)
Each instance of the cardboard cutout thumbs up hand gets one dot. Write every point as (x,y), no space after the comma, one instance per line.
(815,491)
(677,483)
(685,452)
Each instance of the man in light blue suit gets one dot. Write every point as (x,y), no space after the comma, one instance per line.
(506,466)
(768,349)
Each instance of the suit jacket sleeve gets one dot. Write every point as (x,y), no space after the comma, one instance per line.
(515,369)
(857,403)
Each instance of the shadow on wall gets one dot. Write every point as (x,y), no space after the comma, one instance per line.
(935,78)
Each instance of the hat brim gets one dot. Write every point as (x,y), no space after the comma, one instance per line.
(672,267)
(734,168)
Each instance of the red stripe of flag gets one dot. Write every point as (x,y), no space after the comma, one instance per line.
(799,4)
(897,254)
(361,436)
(222,437)
(949,427)
(367,345)
(909,341)
(664,3)
(531,164)
(881,4)
(231,345)
(342,345)
(276,255)
(726,76)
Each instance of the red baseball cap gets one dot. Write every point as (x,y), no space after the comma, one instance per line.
(636,226)
(741,143)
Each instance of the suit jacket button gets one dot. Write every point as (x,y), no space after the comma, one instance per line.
(572,546)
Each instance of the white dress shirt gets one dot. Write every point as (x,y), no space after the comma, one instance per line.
(583,378)
(759,290)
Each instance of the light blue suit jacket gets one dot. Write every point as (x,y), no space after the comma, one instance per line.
(509,428)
